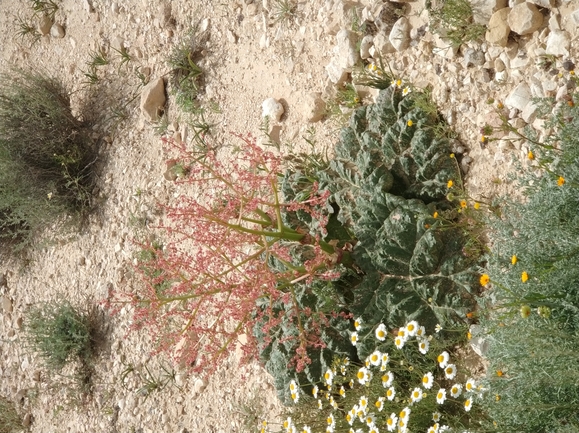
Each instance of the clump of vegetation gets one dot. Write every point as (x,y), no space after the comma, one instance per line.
(10,421)
(453,20)
(61,334)
(186,75)
(532,280)
(408,382)
(46,156)
(391,205)
(44,7)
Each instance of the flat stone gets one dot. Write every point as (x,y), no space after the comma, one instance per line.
(367,42)
(44,25)
(313,107)
(543,3)
(519,97)
(336,73)
(57,31)
(7,304)
(346,50)
(529,113)
(272,109)
(498,28)
(482,10)
(153,99)
(525,18)
(400,34)
(558,43)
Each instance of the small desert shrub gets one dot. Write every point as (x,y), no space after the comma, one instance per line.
(10,422)
(46,156)
(453,20)
(186,75)
(532,283)
(60,333)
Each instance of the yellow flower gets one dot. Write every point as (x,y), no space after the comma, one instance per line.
(398,83)
(571,72)
(409,123)
(484,279)
(525,311)
(530,155)
(450,183)
(468,335)
(524,277)
(497,397)
(452,155)
(463,204)
(560,181)
(435,215)
(514,259)
(500,105)
(476,205)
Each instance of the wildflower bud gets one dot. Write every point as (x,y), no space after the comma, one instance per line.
(525,311)
(544,311)
(450,196)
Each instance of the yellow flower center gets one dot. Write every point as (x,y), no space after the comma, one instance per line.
(360,375)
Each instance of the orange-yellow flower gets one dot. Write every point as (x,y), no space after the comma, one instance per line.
(450,183)
(560,181)
(476,205)
(514,259)
(463,204)
(484,279)
(410,123)
(435,215)
(531,155)
(524,277)
(499,373)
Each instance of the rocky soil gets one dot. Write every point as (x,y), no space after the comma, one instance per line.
(249,57)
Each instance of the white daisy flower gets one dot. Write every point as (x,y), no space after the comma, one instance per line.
(432,429)
(363,404)
(306,429)
(441,396)
(404,414)
(443,428)
(391,393)
(427,380)
(381,332)
(287,423)
(379,404)
(416,395)
(456,390)
(421,332)
(443,359)
(423,346)
(436,417)
(387,379)
(358,323)
(391,422)
(376,358)
(402,333)
(364,376)
(370,419)
(450,371)
(329,376)
(373,429)
(437,328)
(412,328)
(468,404)
(315,391)
(399,342)
(331,421)
(470,385)
(350,417)
(354,338)
(406,91)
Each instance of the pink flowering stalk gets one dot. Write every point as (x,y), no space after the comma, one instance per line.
(201,290)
